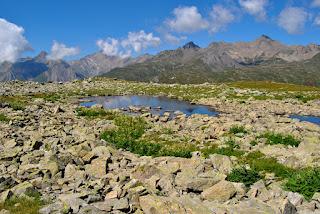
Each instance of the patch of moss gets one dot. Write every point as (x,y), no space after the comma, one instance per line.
(274,138)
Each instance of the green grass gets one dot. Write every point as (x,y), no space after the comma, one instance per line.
(3,118)
(232,149)
(29,204)
(274,138)
(14,102)
(47,96)
(237,129)
(243,175)
(305,182)
(95,112)
(128,136)
(260,163)
(273,86)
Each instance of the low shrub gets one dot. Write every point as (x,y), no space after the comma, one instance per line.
(243,175)
(237,130)
(31,204)
(273,138)
(232,149)
(305,182)
(259,162)
(3,118)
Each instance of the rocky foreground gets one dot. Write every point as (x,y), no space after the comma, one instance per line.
(51,152)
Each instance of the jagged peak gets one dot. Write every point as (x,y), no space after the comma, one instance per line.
(190,45)
(265,37)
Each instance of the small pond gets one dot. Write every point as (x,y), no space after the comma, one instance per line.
(311,119)
(155,105)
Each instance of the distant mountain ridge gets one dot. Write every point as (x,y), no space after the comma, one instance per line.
(263,58)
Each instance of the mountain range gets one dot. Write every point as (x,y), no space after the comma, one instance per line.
(262,59)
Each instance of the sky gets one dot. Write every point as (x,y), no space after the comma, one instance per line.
(69,29)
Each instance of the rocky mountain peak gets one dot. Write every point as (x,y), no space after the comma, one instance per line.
(41,57)
(265,37)
(190,45)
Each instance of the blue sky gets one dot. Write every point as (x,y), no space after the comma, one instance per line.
(79,24)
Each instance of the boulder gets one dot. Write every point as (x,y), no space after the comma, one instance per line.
(220,192)
(97,168)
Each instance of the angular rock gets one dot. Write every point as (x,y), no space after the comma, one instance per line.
(220,192)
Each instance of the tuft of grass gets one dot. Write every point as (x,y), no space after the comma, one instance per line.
(274,138)
(237,130)
(3,118)
(232,149)
(253,143)
(30,204)
(47,97)
(15,102)
(305,182)
(128,136)
(259,162)
(243,175)
(95,112)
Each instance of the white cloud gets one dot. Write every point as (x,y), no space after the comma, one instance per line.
(12,41)
(187,20)
(109,46)
(256,8)
(317,20)
(220,17)
(172,39)
(135,42)
(60,51)
(140,40)
(293,19)
(315,3)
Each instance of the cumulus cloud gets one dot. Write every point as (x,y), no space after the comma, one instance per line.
(109,46)
(12,41)
(135,42)
(60,51)
(172,39)
(256,8)
(187,20)
(315,3)
(293,19)
(220,17)
(140,40)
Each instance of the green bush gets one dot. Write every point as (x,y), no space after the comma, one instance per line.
(3,118)
(95,112)
(237,130)
(253,143)
(305,182)
(128,136)
(273,138)
(259,162)
(232,149)
(31,204)
(243,175)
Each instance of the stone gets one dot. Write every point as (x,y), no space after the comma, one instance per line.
(57,110)
(22,188)
(5,195)
(295,198)
(222,163)
(103,206)
(220,192)
(111,195)
(97,168)
(288,208)
(57,207)
(73,201)
(91,210)
(121,204)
